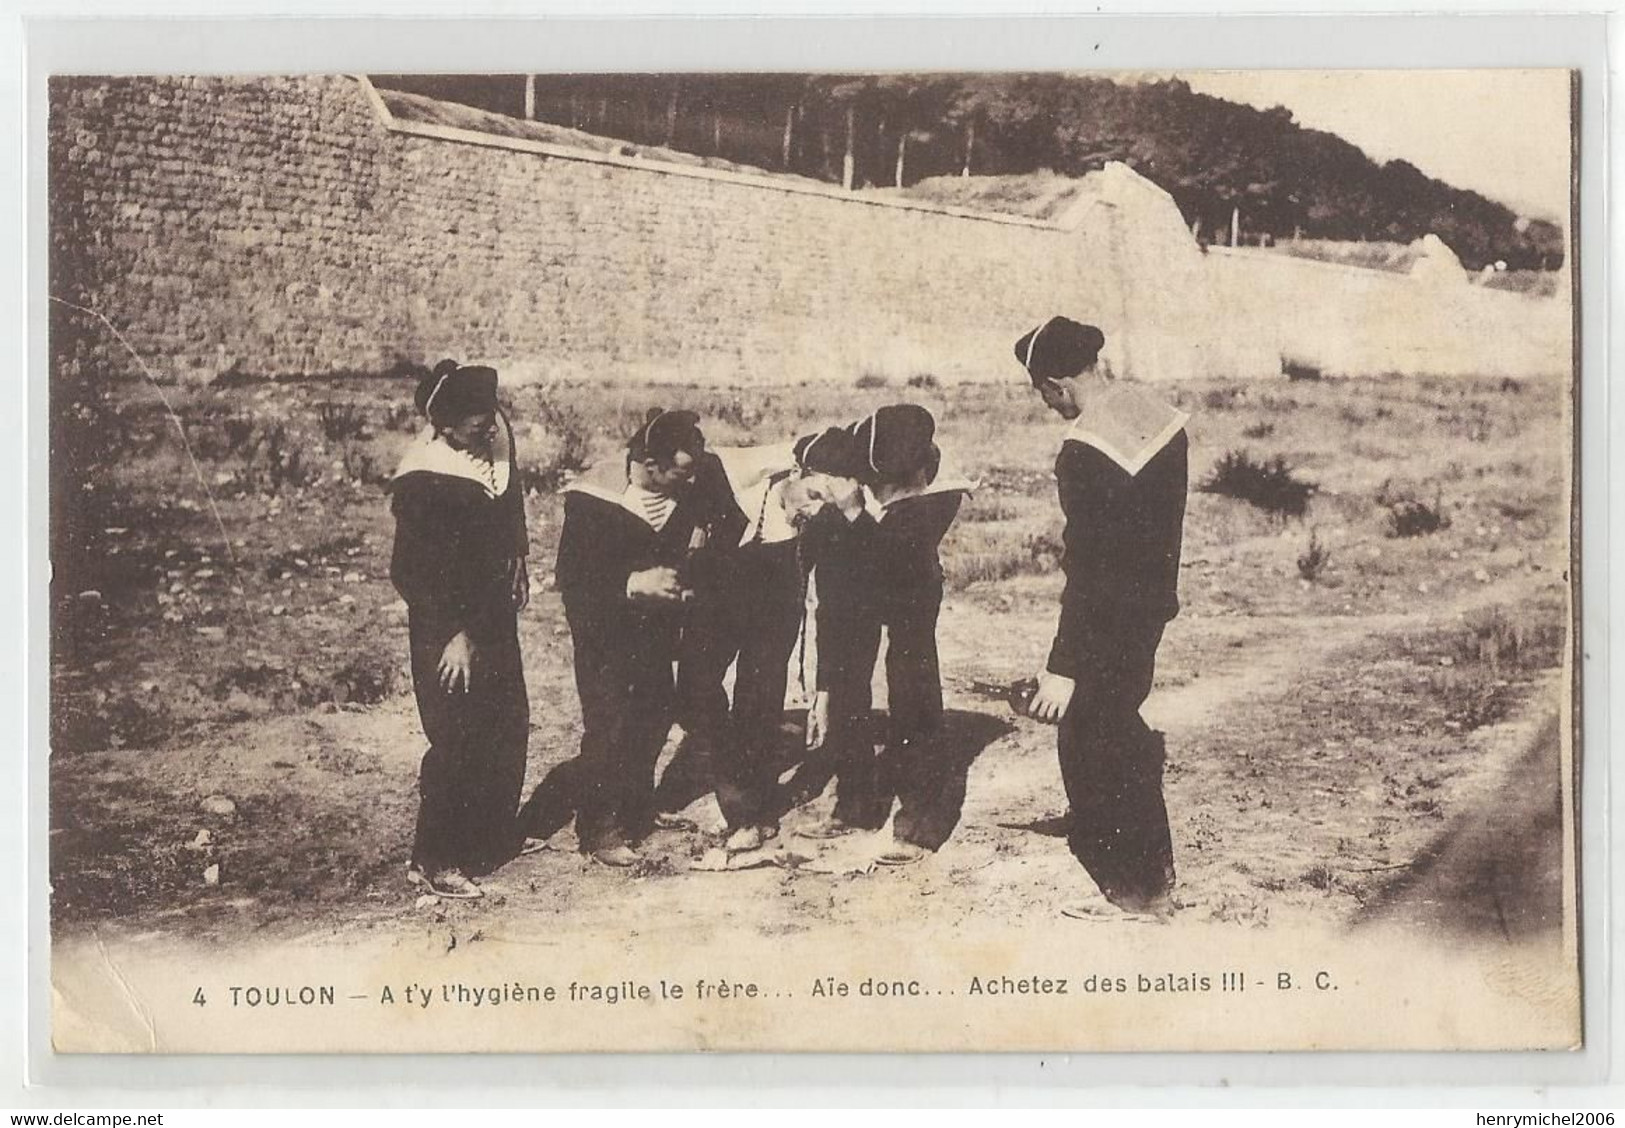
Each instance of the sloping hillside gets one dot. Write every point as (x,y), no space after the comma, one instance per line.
(432,111)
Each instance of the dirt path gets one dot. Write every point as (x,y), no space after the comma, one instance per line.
(1497,870)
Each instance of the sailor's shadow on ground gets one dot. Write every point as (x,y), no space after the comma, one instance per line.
(805,776)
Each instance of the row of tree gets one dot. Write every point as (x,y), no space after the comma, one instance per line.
(1213,156)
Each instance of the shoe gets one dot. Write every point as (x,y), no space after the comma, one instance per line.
(902,854)
(534,846)
(1104,912)
(621,857)
(831,828)
(1158,906)
(744,839)
(666,820)
(450,883)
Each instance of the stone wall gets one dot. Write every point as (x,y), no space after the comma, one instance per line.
(1349,321)
(290,226)
(222,223)
(284,226)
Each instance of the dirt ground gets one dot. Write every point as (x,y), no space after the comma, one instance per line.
(235,745)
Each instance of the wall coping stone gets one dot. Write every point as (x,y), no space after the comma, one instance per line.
(457,135)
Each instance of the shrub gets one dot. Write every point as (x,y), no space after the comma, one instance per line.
(1222,399)
(869,378)
(276,458)
(365,679)
(1299,369)
(403,417)
(924,380)
(732,410)
(238,432)
(1412,518)
(341,421)
(1515,510)
(1314,559)
(1471,422)
(1473,702)
(1261,430)
(1319,876)
(361,465)
(1045,552)
(566,452)
(214,437)
(236,376)
(1408,516)
(1268,485)
(256,679)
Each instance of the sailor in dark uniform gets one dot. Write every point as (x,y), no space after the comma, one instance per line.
(627,563)
(1121,475)
(459,563)
(747,615)
(879,570)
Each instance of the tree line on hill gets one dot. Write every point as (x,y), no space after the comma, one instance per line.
(1219,160)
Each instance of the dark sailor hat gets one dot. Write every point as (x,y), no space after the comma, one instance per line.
(664,433)
(832,451)
(896,442)
(1059,349)
(454,391)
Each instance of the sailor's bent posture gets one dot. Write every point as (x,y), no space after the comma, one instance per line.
(748,615)
(626,568)
(879,571)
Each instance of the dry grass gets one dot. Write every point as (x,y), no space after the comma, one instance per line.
(1397,258)
(159,636)
(302,465)
(1037,195)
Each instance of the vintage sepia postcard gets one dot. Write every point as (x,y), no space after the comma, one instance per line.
(1058,561)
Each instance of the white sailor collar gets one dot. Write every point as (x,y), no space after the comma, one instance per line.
(431,454)
(1127,424)
(757,477)
(628,497)
(943,484)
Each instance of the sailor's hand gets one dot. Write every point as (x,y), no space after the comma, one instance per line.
(654,585)
(519,580)
(457,664)
(1053,697)
(818,720)
(845,494)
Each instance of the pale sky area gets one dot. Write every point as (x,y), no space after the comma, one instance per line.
(1503,133)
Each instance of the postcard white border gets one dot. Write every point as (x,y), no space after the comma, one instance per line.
(956,39)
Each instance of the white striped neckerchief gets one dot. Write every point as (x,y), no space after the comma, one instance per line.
(654,508)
